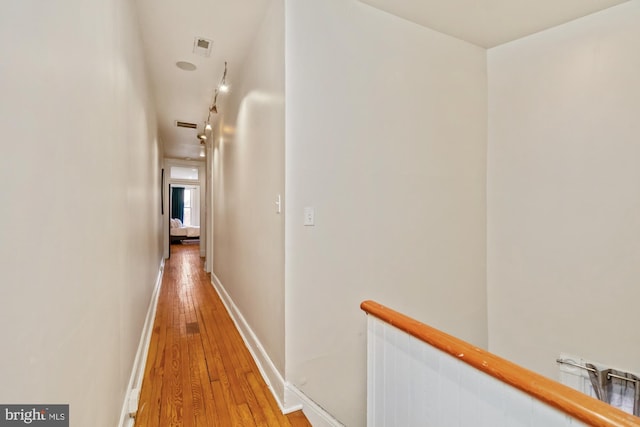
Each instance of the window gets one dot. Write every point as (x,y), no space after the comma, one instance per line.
(187,207)
(183,172)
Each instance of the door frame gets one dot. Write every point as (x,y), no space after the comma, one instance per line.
(201,182)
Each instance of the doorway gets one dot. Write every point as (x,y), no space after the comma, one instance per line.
(185,215)
(185,200)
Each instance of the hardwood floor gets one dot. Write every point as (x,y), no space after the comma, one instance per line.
(199,372)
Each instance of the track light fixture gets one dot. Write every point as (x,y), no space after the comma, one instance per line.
(222,87)
(213,109)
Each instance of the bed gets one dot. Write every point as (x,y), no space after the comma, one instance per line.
(179,232)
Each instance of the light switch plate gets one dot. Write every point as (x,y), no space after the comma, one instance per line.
(278,204)
(309,216)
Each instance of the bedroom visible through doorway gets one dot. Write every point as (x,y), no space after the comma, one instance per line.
(184,223)
(185,204)
(185,213)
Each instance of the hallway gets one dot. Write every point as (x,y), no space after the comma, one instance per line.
(199,372)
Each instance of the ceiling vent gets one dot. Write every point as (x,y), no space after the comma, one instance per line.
(186,125)
(202,46)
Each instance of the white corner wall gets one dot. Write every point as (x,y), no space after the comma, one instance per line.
(386,140)
(564,193)
(80,222)
(248,175)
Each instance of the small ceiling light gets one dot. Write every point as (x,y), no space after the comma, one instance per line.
(186,66)
(207,126)
(202,153)
(224,87)
(202,137)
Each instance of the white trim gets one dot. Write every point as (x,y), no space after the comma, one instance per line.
(267,368)
(140,361)
(317,416)
(288,397)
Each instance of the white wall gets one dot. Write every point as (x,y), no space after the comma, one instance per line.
(386,139)
(248,175)
(564,193)
(80,218)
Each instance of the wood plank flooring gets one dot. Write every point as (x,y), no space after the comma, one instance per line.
(199,372)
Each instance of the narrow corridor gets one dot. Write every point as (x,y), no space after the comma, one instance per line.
(199,372)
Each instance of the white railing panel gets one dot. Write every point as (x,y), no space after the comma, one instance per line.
(411,383)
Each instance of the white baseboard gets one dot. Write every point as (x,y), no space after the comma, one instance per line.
(288,397)
(269,372)
(140,361)
(317,416)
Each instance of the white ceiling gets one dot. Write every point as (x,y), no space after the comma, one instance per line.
(169,28)
(489,23)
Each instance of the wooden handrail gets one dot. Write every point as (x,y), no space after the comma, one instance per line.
(578,405)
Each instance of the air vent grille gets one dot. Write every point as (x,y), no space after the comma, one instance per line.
(202,46)
(186,125)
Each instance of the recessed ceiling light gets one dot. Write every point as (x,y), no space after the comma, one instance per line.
(187,66)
